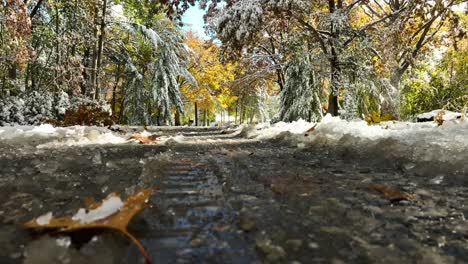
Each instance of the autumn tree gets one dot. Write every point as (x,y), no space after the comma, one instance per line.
(211,91)
(419,28)
(15,34)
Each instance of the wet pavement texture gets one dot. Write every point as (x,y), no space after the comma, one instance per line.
(224,199)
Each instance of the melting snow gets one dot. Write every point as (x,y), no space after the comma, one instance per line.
(47,136)
(420,144)
(448,115)
(44,219)
(108,207)
(63,242)
(44,129)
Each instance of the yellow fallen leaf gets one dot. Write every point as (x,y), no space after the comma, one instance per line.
(439,118)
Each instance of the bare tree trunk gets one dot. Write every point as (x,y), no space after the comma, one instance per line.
(205,117)
(196,114)
(35,9)
(122,106)
(100,46)
(242,112)
(12,72)
(335,70)
(177,118)
(235,116)
(57,43)
(93,77)
(86,65)
(114,89)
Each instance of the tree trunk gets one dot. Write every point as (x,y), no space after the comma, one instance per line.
(196,114)
(12,72)
(35,9)
(280,77)
(100,46)
(85,62)
(205,116)
(93,77)
(335,70)
(114,89)
(333,104)
(57,44)
(334,87)
(395,79)
(235,116)
(242,113)
(26,77)
(122,106)
(177,118)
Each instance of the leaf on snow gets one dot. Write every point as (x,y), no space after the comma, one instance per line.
(310,130)
(112,213)
(439,118)
(145,139)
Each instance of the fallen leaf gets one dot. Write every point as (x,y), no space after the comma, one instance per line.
(145,139)
(392,194)
(439,118)
(310,130)
(108,214)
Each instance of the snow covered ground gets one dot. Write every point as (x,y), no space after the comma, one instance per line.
(44,136)
(419,147)
(422,148)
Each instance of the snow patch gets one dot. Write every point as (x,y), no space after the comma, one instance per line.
(44,219)
(44,129)
(448,115)
(268,131)
(47,136)
(63,242)
(429,148)
(108,207)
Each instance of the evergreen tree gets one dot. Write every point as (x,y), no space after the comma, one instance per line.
(300,97)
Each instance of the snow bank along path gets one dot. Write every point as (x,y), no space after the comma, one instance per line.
(423,148)
(52,137)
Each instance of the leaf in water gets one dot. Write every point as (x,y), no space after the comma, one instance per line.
(112,213)
(145,139)
(392,194)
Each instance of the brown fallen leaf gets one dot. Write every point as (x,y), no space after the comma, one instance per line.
(145,139)
(112,213)
(310,130)
(392,194)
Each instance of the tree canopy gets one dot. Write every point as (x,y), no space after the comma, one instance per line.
(344,57)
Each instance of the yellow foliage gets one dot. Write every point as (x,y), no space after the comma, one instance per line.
(211,75)
(374,118)
(387,117)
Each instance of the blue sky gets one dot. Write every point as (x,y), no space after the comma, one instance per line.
(193,19)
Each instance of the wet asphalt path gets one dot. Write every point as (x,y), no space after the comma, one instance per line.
(223,199)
